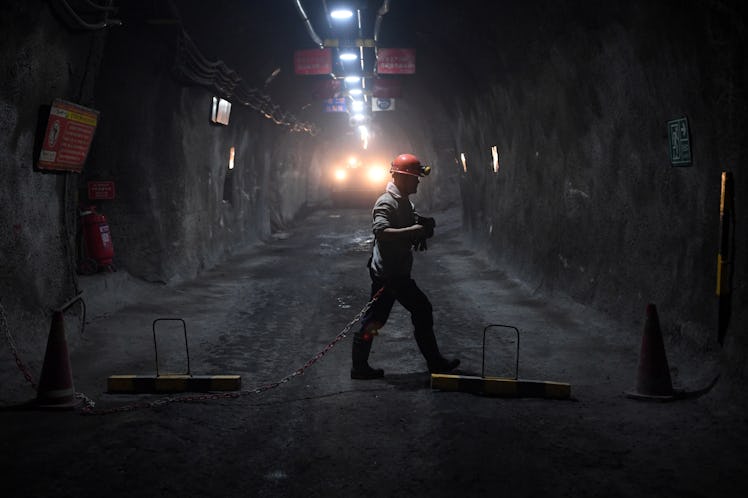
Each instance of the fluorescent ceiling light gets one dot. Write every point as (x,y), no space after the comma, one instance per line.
(352,79)
(355,91)
(348,56)
(357,105)
(341,14)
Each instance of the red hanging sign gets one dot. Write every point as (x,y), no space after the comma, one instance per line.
(70,130)
(396,61)
(387,88)
(314,61)
(326,89)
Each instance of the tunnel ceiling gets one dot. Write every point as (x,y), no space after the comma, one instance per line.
(257,38)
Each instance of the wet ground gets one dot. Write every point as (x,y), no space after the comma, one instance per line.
(264,313)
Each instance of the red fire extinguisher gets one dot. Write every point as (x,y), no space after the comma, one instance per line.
(98,240)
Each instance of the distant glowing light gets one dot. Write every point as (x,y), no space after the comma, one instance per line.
(352,161)
(463,159)
(232,151)
(355,91)
(348,56)
(357,105)
(359,117)
(352,79)
(341,174)
(341,14)
(377,174)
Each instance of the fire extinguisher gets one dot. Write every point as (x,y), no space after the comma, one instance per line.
(98,240)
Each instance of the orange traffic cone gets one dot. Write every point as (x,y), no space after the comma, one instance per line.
(653,377)
(56,382)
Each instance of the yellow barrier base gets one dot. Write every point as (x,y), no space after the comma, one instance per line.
(129,384)
(497,386)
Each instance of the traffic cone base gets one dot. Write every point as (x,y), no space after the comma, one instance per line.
(56,388)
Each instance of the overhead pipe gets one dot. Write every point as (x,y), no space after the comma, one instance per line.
(316,39)
(327,14)
(383,10)
(103,8)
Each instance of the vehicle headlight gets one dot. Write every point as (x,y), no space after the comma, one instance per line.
(377,174)
(341,174)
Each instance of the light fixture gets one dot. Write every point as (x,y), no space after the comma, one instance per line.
(355,91)
(352,79)
(495,158)
(348,56)
(364,133)
(357,105)
(232,152)
(359,116)
(341,14)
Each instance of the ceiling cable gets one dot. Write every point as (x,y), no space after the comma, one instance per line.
(191,65)
(316,39)
(75,21)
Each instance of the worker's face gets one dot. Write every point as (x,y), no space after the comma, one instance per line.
(407,184)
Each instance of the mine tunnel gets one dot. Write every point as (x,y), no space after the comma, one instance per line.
(202,203)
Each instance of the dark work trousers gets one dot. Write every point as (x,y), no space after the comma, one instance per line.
(406,292)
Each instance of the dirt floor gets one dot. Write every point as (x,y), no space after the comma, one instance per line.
(266,312)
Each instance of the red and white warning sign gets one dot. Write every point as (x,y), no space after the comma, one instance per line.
(70,130)
(396,61)
(313,61)
(100,190)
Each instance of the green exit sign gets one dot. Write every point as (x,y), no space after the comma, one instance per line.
(679,140)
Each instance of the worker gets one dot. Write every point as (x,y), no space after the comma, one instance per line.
(398,230)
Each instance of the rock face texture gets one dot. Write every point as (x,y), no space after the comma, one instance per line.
(576,97)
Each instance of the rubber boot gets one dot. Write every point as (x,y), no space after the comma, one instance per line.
(436,362)
(360,356)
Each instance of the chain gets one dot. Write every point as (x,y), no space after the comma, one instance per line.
(12,344)
(88,404)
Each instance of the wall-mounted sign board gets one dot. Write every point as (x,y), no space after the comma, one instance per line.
(100,191)
(68,137)
(679,141)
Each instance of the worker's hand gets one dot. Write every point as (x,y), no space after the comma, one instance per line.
(417,232)
(420,245)
(428,225)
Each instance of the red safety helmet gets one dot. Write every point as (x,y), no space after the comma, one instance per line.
(409,164)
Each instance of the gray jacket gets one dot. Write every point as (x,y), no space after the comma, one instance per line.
(392,259)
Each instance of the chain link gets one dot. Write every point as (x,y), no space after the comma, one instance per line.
(12,344)
(88,404)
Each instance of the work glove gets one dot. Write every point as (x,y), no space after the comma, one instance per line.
(420,245)
(428,224)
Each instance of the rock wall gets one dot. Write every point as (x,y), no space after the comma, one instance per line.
(178,208)
(39,61)
(585,203)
